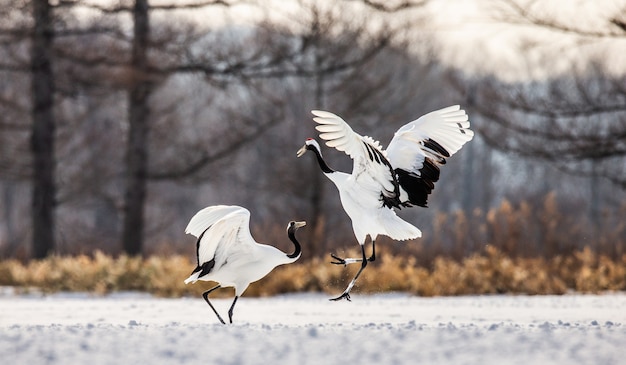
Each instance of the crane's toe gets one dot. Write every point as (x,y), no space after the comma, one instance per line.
(345,295)
(338,260)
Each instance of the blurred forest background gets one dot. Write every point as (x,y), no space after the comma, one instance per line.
(120,119)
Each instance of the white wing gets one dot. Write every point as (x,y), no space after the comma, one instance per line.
(437,135)
(419,146)
(371,168)
(222,229)
(207,217)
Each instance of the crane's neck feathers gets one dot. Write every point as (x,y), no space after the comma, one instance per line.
(291,232)
(320,160)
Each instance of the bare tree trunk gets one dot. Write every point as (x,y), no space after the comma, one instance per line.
(42,134)
(8,206)
(594,200)
(468,188)
(137,148)
(316,222)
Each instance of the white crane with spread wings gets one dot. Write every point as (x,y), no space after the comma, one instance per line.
(402,176)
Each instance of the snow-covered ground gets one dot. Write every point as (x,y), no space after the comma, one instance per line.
(309,329)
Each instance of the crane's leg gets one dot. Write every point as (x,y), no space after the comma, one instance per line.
(346,262)
(205,295)
(364,260)
(230,311)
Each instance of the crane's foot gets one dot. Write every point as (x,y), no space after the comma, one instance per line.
(218,316)
(338,260)
(344,295)
(345,262)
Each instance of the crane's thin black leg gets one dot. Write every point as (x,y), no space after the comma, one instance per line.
(230,311)
(205,295)
(346,262)
(346,293)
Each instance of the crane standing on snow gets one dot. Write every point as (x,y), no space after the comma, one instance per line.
(227,253)
(402,176)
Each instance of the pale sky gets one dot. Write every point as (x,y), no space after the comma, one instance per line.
(468,34)
(472,39)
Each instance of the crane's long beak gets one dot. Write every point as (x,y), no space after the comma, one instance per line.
(299,224)
(301,151)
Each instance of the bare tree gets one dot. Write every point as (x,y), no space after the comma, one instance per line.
(575,120)
(32,54)
(144,73)
(42,135)
(253,80)
(138,121)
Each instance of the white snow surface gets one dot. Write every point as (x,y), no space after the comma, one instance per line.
(309,329)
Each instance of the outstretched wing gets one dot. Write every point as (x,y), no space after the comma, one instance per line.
(371,169)
(220,229)
(419,147)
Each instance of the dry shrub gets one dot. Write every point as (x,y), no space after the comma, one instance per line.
(589,272)
(99,274)
(489,272)
(517,247)
(392,273)
(57,273)
(545,229)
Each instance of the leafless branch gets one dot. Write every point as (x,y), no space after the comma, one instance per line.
(206,157)
(385,6)
(522,14)
(172,6)
(196,5)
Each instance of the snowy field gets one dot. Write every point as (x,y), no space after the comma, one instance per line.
(309,329)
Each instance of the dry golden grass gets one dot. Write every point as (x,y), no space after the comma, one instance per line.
(545,229)
(488,272)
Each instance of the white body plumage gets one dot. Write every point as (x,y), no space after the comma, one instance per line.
(366,212)
(228,254)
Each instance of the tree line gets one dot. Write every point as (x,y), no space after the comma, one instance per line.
(119,121)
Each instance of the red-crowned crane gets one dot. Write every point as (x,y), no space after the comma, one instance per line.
(227,253)
(402,176)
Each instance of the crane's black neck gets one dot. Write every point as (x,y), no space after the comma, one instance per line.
(291,232)
(320,160)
